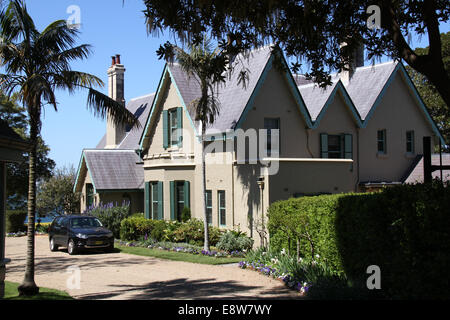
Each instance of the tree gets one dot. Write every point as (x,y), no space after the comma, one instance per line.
(314,31)
(55,195)
(429,93)
(207,66)
(17,173)
(36,64)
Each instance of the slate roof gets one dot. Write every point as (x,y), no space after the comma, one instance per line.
(233,97)
(140,107)
(416,175)
(114,169)
(366,85)
(363,88)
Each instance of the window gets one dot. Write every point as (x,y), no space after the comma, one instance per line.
(89,195)
(381,141)
(172,125)
(221,206)
(208,200)
(339,146)
(410,141)
(334,147)
(272,124)
(179,198)
(154,200)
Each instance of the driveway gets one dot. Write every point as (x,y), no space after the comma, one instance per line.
(125,276)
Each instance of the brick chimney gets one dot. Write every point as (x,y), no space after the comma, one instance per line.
(116,72)
(356,61)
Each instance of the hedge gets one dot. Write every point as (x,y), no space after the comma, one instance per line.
(191,231)
(15,220)
(405,230)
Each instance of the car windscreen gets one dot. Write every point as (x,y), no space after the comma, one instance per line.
(85,223)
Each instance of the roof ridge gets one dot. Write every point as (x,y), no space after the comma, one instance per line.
(141,97)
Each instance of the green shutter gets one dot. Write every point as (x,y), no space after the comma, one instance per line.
(348,146)
(324,145)
(187,202)
(165,129)
(172,200)
(147,200)
(180,126)
(160,201)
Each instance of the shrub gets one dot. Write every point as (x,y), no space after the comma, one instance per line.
(136,227)
(15,221)
(405,230)
(232,241)
(185,214)
(158,231)
(111,216)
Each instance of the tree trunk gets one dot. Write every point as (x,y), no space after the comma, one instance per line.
(203,190)
(28,286)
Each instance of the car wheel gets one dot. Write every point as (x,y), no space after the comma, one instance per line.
(53,246)
(71,248)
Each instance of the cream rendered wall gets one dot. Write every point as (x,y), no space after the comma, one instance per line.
(398,112)
(337,120)
(275,100)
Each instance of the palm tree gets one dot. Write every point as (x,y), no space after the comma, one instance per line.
(36,64)
(208,67)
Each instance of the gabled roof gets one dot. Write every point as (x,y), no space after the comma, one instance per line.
(366,85)
(416,174)
(234,98)
(140,107)
(111,169)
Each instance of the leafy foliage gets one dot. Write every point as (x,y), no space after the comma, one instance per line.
(311,31)
(111,215)
(430,95)
(17,173)
(55,195)
(15,220)
(405,230)
(231,241)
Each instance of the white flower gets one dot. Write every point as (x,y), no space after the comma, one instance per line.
(317,256)
(283,252)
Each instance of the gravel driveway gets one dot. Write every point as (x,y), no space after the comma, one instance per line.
(125,276)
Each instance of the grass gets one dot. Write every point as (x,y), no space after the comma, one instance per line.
(11,293)
(177,256)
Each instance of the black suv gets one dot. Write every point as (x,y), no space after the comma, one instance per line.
(77,232)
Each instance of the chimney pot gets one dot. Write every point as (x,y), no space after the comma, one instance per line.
(113,60)
(118,58)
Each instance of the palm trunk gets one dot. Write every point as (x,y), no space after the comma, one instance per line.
(205,213)
(28,286)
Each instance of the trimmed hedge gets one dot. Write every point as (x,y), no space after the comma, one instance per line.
(15,221)
(405,230)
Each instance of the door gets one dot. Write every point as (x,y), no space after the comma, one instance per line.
(64,231)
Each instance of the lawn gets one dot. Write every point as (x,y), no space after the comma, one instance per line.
(11,293)
(177,256)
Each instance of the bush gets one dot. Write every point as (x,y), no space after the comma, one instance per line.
(111,216)
(136,227)
(15,221)
(232,241)
(185,214)
(192,232)
(405,230)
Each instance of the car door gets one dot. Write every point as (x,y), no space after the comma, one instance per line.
(56,230)
(64,231)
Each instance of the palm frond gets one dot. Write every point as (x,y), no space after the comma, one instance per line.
(101,105)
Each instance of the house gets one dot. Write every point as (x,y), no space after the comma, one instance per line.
(11,148)
(280,136)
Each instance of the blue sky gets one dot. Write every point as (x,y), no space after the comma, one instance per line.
(111,27)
